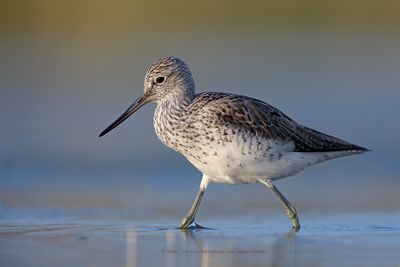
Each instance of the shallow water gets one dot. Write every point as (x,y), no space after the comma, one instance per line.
(336,240)
(128,222)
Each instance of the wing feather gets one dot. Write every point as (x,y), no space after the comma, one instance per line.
(259,118)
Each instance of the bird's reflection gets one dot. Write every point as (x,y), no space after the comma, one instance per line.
(131,248)
(196,245)
(170,245)
(283,250)
(280,248)
(199,246)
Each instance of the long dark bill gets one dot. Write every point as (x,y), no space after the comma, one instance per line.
(140,102)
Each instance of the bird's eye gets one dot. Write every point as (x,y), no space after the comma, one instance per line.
(160,79)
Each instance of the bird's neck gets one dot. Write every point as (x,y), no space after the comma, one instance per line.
(170,118)
(178,99)
(172,108)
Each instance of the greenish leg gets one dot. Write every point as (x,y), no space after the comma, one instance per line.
(189,218)
(290,209)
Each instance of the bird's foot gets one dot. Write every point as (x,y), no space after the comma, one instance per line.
(186,222)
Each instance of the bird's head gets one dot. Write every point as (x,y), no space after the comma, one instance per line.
(167,78)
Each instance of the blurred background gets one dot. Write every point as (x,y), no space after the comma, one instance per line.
(69,68)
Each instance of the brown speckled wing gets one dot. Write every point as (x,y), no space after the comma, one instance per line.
(259,118)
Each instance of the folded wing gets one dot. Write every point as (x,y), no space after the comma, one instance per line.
(261,119)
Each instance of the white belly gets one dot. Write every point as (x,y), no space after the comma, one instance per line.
(228,163)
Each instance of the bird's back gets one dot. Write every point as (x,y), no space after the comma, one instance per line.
(258,118)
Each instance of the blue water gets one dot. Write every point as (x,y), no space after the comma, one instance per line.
(336,240)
